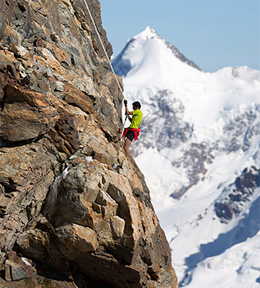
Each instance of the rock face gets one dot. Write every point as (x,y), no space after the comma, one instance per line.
(67,218)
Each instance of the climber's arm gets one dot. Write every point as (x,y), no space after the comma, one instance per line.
(127,112)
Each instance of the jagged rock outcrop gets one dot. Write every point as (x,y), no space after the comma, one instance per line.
(67,218)
(234,196)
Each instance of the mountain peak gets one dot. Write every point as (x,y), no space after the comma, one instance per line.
(148,49)
(147,33)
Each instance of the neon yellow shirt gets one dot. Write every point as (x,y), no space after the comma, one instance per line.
(137,119)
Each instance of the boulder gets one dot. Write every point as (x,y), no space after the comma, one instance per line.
(76,239)
(25,115)
(17,268)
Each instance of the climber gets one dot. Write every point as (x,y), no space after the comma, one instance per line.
(133,131)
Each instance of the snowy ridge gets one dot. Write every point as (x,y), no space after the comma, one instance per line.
(146,41)
(199,151)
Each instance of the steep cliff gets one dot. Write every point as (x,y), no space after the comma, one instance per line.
(67,218)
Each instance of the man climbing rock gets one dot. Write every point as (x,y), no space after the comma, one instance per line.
(133,131)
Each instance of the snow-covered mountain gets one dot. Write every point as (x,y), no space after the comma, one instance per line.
(200,153)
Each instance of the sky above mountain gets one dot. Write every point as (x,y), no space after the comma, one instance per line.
(213,34)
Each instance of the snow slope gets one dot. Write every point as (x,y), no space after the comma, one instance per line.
(199,151)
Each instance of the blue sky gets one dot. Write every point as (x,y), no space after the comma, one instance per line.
(212,33)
